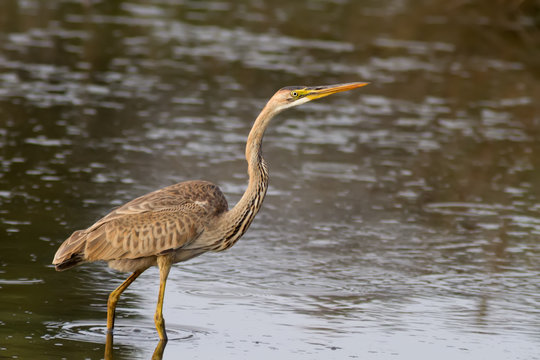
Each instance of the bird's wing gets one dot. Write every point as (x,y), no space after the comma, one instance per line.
(172,198)
(132,236)
(160,221)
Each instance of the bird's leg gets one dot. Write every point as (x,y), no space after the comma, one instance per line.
(158,351)
(109,346)
(164,263)
(113,298)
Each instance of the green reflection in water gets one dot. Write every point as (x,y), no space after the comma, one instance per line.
(409,212)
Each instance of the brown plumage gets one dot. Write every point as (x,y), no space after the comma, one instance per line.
(136,233)
(184,220)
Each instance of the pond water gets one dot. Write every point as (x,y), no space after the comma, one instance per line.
(402,219)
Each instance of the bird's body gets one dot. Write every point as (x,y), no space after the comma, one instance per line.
(184,220)
(179,218)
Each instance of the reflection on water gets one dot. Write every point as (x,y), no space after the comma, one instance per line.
(399,221)
(109,348)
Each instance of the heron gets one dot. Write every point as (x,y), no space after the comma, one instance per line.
(184,220)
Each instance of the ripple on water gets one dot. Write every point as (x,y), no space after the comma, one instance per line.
(23,281)
(92,332)
(335,170)
(466,209)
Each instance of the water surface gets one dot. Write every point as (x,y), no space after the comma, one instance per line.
(402,219)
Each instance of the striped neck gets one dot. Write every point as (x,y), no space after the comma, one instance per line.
(237,220)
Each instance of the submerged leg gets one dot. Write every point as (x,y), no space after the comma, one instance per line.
(109,346)
(164,263)
(113,298)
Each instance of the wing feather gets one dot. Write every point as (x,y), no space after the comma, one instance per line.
(158,222)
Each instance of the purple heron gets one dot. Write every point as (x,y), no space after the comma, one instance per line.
(181,221)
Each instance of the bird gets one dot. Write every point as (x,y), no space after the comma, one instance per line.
(181,221)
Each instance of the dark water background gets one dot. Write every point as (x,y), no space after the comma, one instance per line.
(402,220)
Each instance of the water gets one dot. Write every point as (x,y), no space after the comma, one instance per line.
(402,219)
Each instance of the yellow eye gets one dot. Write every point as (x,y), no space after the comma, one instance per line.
(294,94)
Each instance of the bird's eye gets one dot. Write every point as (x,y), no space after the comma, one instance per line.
(294,94)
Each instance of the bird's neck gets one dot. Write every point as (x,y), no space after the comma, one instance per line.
(242,214)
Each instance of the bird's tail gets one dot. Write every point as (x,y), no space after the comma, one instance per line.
(71,252)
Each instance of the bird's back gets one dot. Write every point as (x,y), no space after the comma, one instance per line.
(153,224)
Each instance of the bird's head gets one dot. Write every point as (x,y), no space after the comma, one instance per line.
(291,96)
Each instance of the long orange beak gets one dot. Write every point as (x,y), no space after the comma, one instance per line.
(317,92)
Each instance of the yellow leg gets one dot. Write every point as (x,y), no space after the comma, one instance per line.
(158,351)
(109,347)
(164,263)
(113,298)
